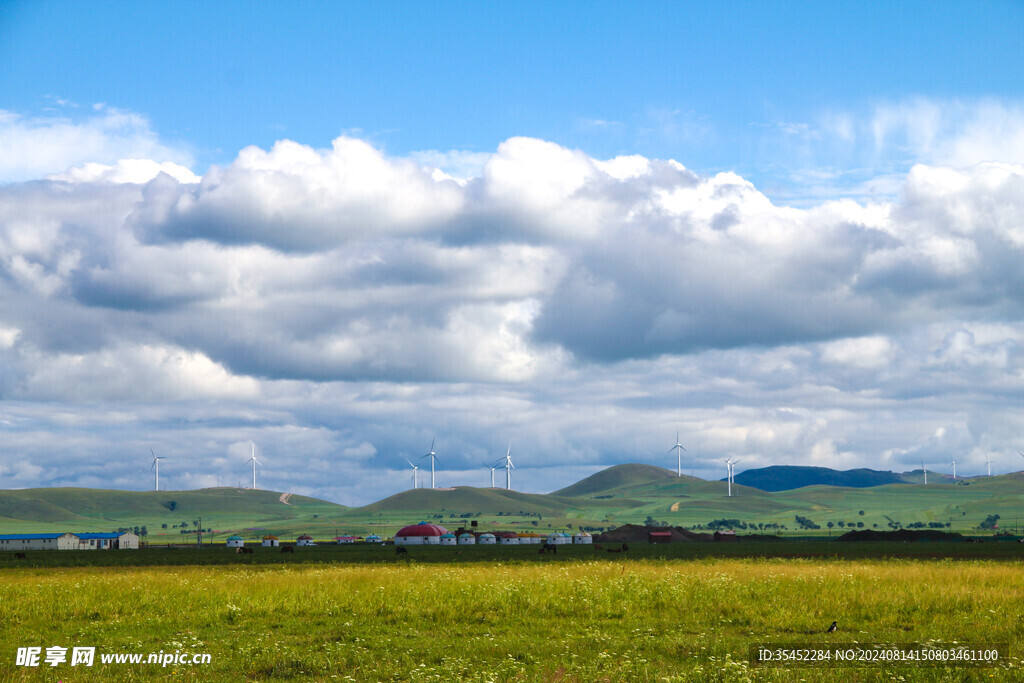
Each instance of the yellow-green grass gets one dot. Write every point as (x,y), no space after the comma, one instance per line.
(586,620)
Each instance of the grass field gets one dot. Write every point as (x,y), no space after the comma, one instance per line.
(499,615)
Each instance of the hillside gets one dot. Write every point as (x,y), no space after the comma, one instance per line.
(618,477)
(788,477)
(80,509)
(469,499)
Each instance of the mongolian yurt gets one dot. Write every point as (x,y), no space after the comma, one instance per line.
(420,534)
(467,539)
(508,538)
(373,538)
(448,539)
(560,538)
(583,538)
(304,539)
(530,538)
(271,540)
(235,542)
(486,539)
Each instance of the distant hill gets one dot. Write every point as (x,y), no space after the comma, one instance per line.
(616,477)
(469,499)
(81,509)
(788,477)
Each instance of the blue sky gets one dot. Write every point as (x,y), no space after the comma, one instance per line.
(713,85)
(788,231)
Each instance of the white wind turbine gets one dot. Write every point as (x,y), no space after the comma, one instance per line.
(433,458)
(415,474)
(156,467)
(678,448)
(508,467)
(954,469)
(925,472)
(729,462)
(988,462)
(492,468)
(254,462)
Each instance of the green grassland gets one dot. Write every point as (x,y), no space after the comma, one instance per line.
(613,497)
(579,618)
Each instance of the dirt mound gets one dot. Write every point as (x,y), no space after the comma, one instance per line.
(635,533)
(900,535)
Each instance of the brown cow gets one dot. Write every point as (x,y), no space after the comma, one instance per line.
(287,549)
(19,556)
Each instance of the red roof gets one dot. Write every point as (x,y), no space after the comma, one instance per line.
(661,533)
(422,530)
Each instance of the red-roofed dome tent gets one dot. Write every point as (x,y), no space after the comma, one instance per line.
(420,534)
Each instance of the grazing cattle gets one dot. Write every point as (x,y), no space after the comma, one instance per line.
(19,556)
(1020,540)
(598,547)
(401,550)
(244,551)
(614,550)
(287,549)
(625,547)
(551,546)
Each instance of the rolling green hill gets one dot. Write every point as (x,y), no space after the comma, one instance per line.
(618,495)
(223,509)
(618,477)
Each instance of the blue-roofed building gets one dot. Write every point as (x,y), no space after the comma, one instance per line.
(53,541)
(108,541)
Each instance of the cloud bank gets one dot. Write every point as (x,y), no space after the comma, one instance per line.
(342,307)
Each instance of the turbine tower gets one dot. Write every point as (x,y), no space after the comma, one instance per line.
(728,474)
(989,463)
(925,472)
(433,458)
(954,469)
(508,467)
(254,462)
(492,468)
(415,474)
(678,448)
(156,467)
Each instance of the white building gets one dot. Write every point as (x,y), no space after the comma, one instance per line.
(23,542)
(583,538)
(305,539)
(486,539)
(235,542)
(420,534)
(448,539)
(560,538)
(467,539)
(271,541)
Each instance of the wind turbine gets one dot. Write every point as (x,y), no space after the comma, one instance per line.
(989,463)
(433,458)
(678,448)
(925,472)
(728,474)
(254,462)
(954,469)
(492,468)
(508,467)
(415,474)
(156,466)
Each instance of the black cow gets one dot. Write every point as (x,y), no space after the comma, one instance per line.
(401,550)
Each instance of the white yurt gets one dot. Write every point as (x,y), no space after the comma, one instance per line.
(508,538)
(420,534)
(235,542)
(304,539)
(373,538)
(467,539)
(560,538)
(270,540)
(583,538)
(530,538)
(486,539)
(448,539)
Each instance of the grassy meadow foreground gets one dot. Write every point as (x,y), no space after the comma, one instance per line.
(577,619)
